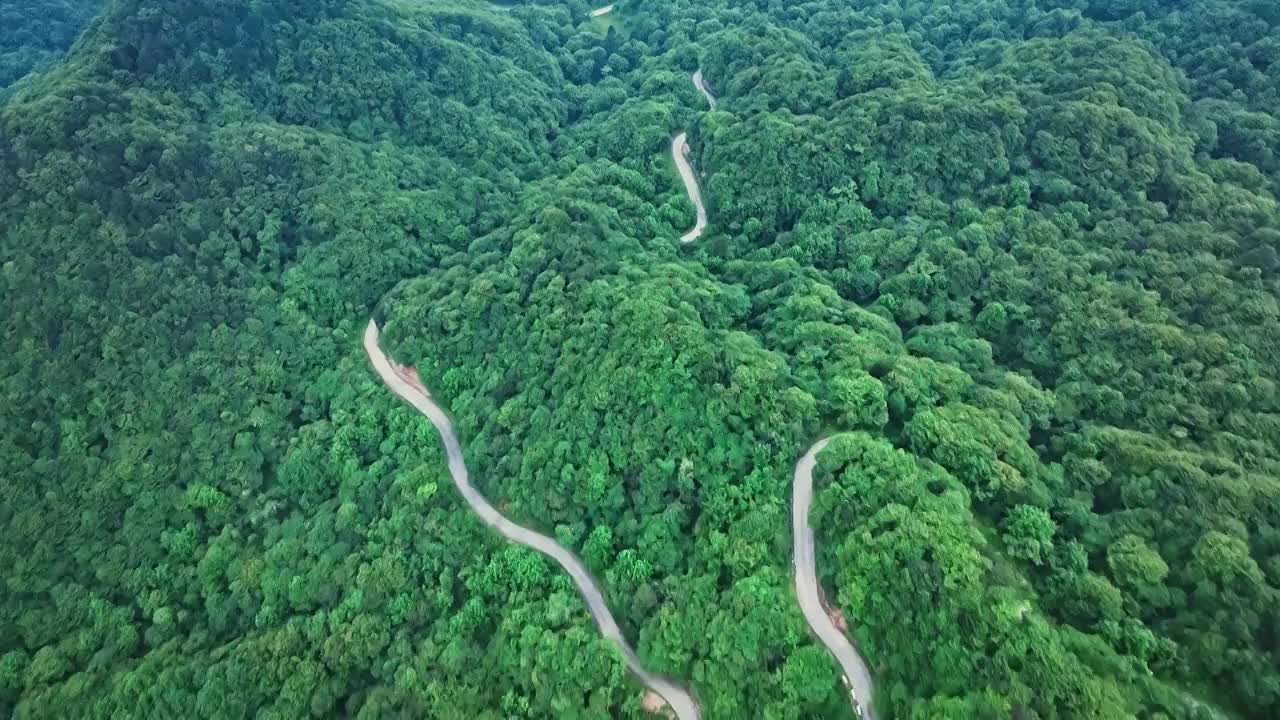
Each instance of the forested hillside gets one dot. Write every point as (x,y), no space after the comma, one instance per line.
(35,33)
(1019,258)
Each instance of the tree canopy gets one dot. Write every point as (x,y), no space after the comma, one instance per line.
(1019,257)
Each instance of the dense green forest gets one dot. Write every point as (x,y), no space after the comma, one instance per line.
(35,33)
(1019,256)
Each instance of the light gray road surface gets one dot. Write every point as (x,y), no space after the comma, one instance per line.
(680,153)
(701,84)
(677,698)
(855,669)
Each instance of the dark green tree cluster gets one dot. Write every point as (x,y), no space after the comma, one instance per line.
(35,33)
(1019,256)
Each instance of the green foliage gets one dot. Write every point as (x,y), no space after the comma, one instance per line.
(35,33)
(1028,533)
(1024,253)
(862,400)
(1138,567)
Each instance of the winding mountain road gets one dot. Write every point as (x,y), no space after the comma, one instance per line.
(857,676)
(680,153)
(701,84)
(856,673)
(677,698)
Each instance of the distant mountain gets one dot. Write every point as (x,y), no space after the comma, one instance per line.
(35,33)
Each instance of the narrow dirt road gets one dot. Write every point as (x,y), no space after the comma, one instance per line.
(701,84)
(676,697)
(855,669)
(680,153)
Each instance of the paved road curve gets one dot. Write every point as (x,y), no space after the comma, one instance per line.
(855,669)
(680,153)
(701,84)
(677,698)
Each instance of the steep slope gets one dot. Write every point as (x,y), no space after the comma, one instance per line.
(194,230)
(35,33)
(1018,258)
